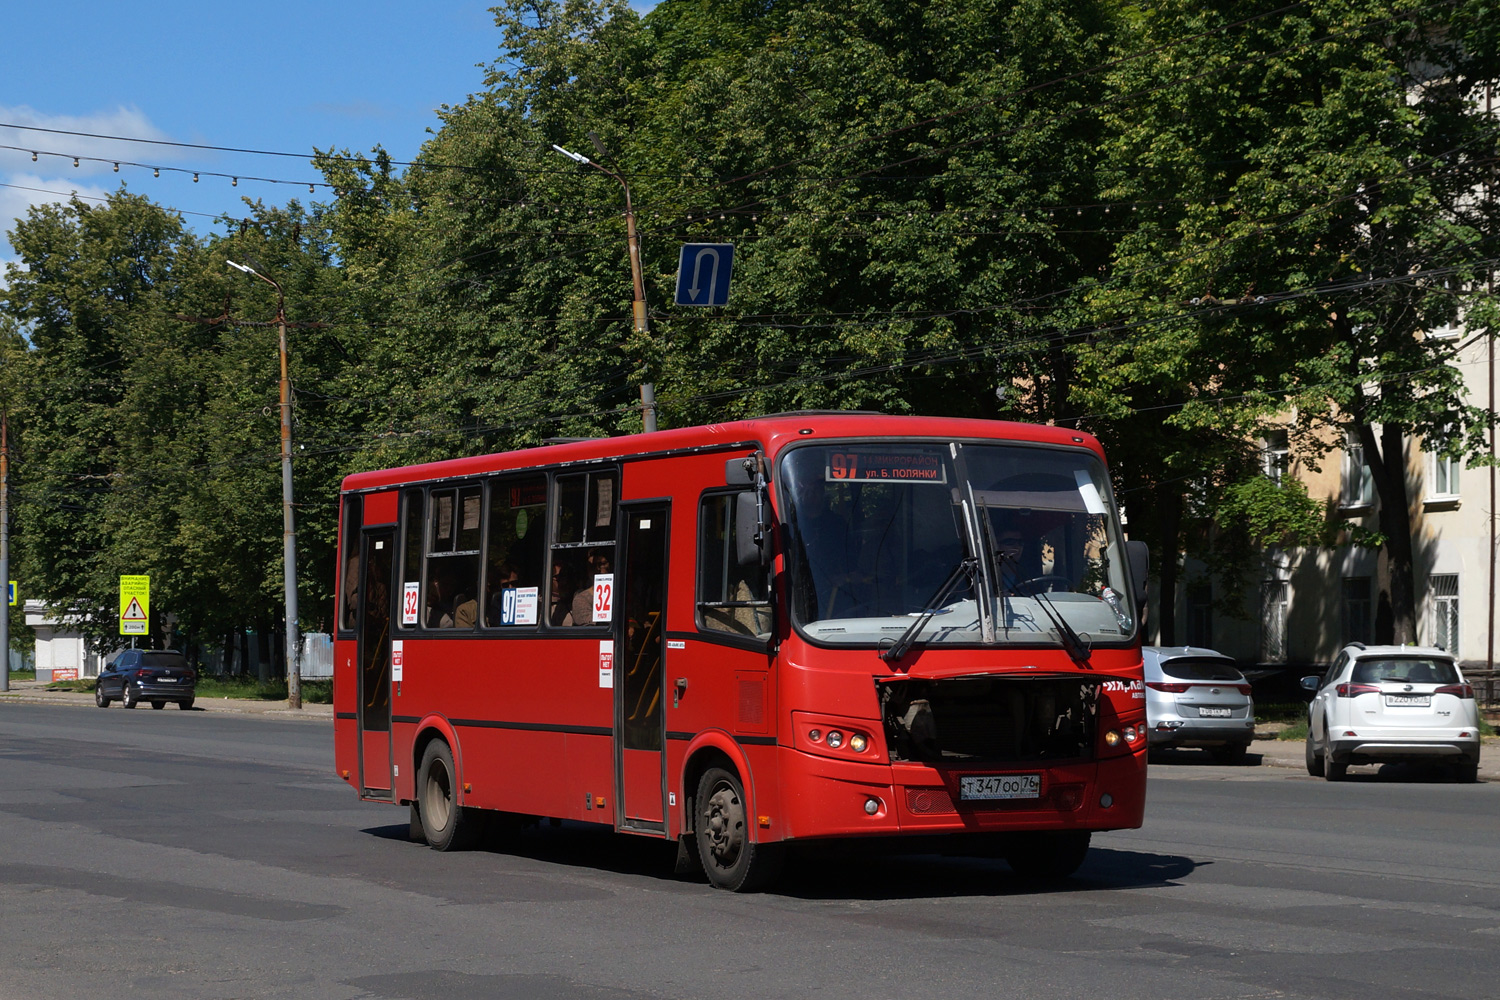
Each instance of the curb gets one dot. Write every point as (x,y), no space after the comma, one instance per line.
(220,706)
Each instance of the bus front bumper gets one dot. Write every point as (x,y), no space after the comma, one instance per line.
(823,797)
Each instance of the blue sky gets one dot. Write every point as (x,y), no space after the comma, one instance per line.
(270,75)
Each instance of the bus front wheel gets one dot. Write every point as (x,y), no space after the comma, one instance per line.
(446,825)
(731,859)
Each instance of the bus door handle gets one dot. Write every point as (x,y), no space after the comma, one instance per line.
(680,690)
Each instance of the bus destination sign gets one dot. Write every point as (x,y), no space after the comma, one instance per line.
(885,467)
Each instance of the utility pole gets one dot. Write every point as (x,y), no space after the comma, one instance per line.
(638,302)
(5,549)
(288,525)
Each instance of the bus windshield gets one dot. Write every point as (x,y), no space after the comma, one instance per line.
(876,529)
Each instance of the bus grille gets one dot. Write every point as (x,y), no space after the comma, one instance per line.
(990,720)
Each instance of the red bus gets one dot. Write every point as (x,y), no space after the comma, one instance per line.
(802,627)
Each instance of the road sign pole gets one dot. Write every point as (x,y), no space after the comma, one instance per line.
(5,550)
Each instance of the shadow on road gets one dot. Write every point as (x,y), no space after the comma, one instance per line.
(839,870)
(1198,757)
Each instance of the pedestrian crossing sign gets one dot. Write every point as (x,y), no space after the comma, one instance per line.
(135,604)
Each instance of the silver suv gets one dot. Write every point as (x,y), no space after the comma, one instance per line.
(1198,698)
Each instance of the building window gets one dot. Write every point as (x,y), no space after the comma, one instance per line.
(1359,484)
(1443,593)
(1276,456)
(1443,476)
(1273,609)
(1200,614)
(1356,609)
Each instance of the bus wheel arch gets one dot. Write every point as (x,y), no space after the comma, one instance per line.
(438,813)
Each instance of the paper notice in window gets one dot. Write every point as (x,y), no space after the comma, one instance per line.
(606,663)
(444,517)
(606,505)
(471,513)
(409,603)
(604,597)
(1092,502)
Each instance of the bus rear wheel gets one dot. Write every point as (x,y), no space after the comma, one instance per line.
(446,825)
(731,859)
(1046,855)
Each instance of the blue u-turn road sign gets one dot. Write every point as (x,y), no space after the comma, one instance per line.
(703,274)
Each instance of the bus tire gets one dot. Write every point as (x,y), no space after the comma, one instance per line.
(731,859)
(446,825)
(1046,855)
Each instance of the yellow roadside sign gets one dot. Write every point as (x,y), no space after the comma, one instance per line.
(135,604)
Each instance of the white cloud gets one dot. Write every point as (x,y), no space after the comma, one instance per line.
(128,122)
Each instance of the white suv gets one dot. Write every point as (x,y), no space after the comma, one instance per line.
(1391,703)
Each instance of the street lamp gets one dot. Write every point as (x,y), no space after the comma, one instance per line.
(288,527)
(638,304)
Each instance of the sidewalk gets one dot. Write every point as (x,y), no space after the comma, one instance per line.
(36,693)
(1291,754)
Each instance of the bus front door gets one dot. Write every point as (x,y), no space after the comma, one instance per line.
(375,662)
(640,685)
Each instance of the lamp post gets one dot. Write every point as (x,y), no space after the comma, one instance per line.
(638,304)
(288,526)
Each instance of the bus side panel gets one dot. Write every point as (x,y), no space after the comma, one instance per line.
(532,721)
(345,723)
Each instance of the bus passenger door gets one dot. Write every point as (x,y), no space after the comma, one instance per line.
(375,662)
(640,684)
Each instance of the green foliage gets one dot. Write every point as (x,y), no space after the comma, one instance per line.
(1167,224)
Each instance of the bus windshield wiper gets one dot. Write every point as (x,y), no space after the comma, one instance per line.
(966,568)
(1072,643)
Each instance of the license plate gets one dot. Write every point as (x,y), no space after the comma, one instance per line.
(1413,700)
(1000,786)
(166,680)
(1215,713)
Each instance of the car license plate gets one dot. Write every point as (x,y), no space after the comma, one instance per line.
(1215,713)
(166,680)
(1411,700)
(1000,786)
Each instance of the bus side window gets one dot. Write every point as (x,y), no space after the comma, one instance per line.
(516,552)
(349,587)
(731,598)
(411,558)
(583,548)
(451,598)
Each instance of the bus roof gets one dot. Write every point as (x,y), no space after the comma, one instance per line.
(771,433)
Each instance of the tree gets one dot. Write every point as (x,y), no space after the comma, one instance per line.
(1309,198)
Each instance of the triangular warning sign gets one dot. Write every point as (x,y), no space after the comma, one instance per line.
(134,612)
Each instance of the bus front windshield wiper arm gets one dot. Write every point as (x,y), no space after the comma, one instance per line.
(966,568)
(1072,643)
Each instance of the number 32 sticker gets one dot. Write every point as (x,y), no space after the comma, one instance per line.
(604,597)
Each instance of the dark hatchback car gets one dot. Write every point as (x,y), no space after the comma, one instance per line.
(156,676)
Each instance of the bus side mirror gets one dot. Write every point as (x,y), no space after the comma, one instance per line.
(1140,565)
(750,536)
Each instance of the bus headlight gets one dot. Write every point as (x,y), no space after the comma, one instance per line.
(835,738)
(858,742)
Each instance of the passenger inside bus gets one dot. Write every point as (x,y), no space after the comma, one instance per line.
(581,609)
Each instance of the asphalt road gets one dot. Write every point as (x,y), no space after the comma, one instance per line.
(186,854)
